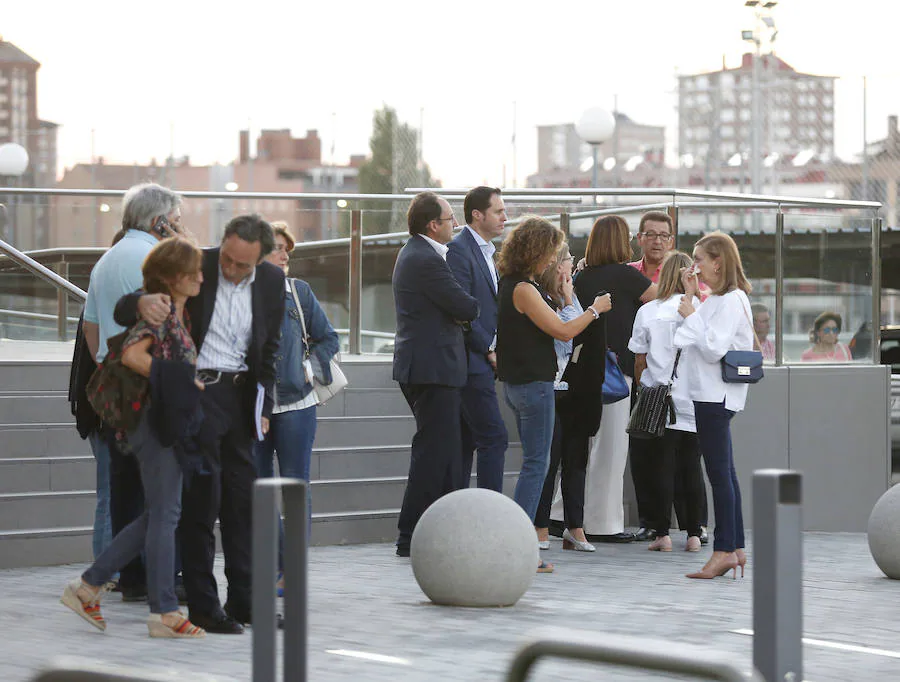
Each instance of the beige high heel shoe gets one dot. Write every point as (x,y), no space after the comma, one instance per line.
(719,564)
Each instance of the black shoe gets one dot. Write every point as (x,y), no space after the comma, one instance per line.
(704,536)
(218,624)
(402,551)
(134,594)
(617,538)
(242,616)
(645,534)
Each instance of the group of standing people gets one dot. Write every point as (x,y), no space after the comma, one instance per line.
(217,340)
(545,334)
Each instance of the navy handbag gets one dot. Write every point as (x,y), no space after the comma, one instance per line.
(615,388)
(743,366)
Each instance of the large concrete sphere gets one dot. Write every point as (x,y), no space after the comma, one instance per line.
(474,547)
(884,533)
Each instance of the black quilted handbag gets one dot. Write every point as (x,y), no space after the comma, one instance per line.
(653,410)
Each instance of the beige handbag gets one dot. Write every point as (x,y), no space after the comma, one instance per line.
(324,392)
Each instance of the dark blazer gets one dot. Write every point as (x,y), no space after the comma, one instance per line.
(467,263)
(429,347)
(268,310)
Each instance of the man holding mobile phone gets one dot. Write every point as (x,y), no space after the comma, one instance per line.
(149,213)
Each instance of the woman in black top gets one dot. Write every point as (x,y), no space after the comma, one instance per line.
(526,359)
(606,258)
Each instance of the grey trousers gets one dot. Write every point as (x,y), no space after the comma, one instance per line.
(153,532)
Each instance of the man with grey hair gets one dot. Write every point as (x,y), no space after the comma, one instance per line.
(150,213)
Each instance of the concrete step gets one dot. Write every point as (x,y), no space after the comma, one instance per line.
(346,432)
(30,408)
(47,474)
(45,547)
(32,376)
(357,494)
(366,402)
(35,511)
(41,440)
(354,528)
(366,371)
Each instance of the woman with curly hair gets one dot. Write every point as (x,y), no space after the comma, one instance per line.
(527,324)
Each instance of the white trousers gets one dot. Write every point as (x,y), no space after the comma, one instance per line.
(604,513)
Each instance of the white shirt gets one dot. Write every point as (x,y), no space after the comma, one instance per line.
(654,334)
(487,251)
(720,324)
(564,348)
(228,337)
(437,246)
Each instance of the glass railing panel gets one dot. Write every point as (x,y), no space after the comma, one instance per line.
(827,288)
(29,307)
(377,315)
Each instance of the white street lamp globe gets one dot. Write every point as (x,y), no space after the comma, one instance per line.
(595,126)
(13,159)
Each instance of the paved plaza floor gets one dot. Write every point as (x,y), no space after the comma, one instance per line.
(364,601)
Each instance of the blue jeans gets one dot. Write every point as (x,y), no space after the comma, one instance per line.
(102,520)
(154,530)
(714,434)
(291,436)
(533,405)
(483,429)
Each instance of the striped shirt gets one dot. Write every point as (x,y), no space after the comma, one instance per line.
(228,337)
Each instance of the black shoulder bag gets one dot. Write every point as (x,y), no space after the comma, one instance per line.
(653,410)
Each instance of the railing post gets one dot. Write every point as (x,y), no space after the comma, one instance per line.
(295,496)
(355,337)
(673,214)
(265,569)
(779,287)
(564,222)
(877,225)
(777,575)
(62,302)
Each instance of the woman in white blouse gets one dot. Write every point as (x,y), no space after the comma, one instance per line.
(720,324)
(653,343)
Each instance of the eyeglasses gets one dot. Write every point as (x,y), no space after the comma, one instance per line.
(830,330)
(655,236)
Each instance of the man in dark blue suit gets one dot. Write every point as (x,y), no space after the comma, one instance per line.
(471,258)
(430,357)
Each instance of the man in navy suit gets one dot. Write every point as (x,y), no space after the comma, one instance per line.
(471,258)
(430,357)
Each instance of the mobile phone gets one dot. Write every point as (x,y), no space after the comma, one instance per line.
(163,227)
(694,270)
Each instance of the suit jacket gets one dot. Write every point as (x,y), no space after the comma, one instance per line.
(467,263)
(429,347)
(268,310)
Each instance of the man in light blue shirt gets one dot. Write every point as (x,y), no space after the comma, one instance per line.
(149,213)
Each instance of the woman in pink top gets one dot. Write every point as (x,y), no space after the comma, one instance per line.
(824,337)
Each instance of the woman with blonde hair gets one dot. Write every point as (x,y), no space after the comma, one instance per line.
(720,324)
(606,258)
(527,324)
(676,454)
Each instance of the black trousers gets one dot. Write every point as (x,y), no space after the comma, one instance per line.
(126,503)
(678,455)
(225,493)
(643,462)
(569,451)
(435,464)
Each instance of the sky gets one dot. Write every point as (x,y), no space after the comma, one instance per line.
(183,77)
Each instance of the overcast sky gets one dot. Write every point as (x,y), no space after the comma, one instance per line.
(134,72)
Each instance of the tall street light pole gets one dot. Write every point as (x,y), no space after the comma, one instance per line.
(595,127)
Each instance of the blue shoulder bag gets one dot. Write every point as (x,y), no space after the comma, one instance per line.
(615,388)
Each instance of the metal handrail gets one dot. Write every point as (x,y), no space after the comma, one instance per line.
(634,652)
(672,192)
(34,316)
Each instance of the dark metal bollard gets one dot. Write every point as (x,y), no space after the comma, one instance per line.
(296,540)
(265,568)
(777,575)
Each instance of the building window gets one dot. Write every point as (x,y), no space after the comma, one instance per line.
(727,132)
(727,115)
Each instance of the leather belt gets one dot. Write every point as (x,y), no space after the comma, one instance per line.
(214,376)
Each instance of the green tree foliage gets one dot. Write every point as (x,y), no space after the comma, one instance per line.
(393,165)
